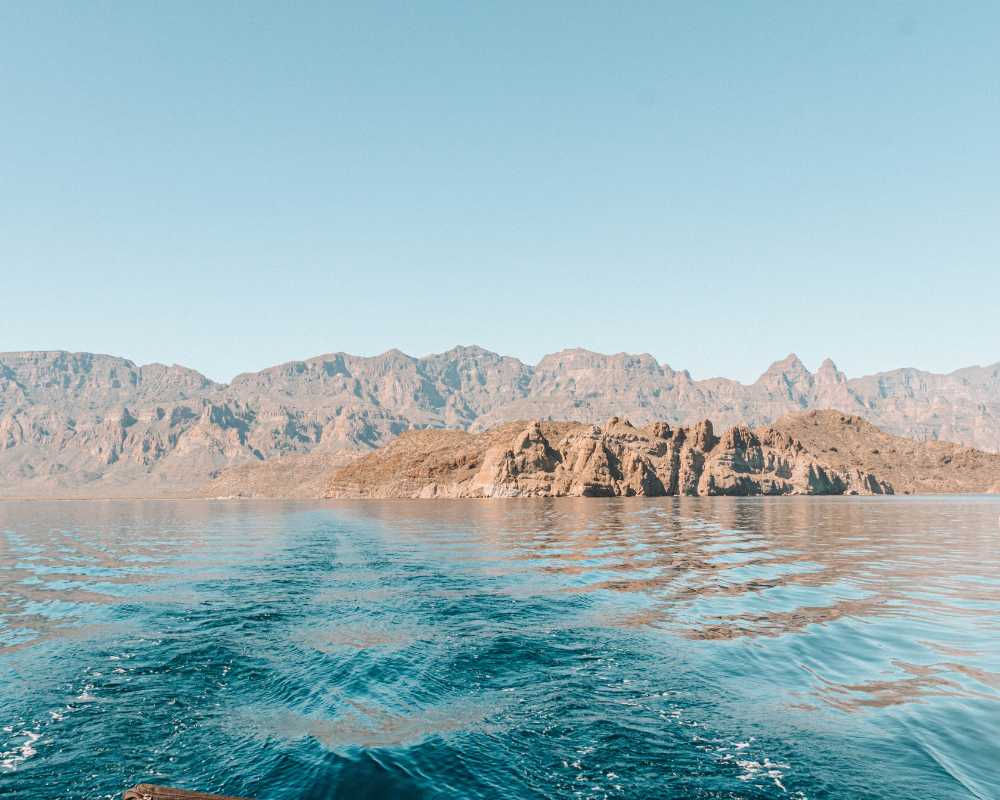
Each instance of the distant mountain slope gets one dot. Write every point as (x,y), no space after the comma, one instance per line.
(79,424)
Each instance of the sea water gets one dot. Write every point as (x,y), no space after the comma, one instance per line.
(671,648)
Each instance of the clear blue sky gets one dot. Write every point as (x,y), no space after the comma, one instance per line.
(230,185)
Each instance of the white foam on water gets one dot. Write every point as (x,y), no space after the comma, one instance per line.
(11,759)
(85,696)
(753,769)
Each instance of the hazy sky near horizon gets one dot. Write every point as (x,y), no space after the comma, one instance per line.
(231,185)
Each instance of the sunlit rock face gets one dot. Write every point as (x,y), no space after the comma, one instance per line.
(550,459)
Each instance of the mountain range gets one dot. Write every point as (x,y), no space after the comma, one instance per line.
(89,425)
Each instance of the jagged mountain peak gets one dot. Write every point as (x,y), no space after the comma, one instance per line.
(394,354)
(789,365)
(828,374)
(466,351)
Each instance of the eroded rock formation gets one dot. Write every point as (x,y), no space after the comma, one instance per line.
(555,459)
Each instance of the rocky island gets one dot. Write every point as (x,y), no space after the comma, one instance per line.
(815,453)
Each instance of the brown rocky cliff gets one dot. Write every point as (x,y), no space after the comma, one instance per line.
(850,444)
(548,459)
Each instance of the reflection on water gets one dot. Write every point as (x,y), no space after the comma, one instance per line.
(681,647)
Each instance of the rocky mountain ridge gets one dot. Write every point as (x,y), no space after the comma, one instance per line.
(616,459)
(79,424)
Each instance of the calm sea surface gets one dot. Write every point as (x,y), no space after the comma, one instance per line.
(688,648)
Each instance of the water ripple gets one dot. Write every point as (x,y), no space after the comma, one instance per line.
(674,648)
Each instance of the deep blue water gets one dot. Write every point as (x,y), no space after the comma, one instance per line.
(676,648)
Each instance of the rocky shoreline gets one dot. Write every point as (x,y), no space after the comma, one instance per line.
(817,453)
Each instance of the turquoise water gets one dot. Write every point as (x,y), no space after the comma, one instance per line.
(674,648)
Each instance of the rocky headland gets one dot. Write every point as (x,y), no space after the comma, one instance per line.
(816,453)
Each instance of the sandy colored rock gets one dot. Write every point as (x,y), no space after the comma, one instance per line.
(296,476)
(555,459)
(848,442)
